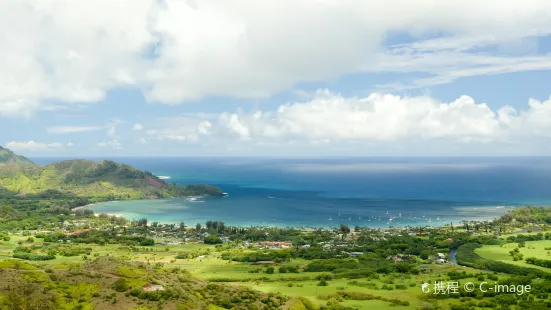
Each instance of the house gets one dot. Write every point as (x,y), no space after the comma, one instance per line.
(441,256)
(76,232)
(355,254)
(440,261)
(225,239)
(275,244)
(153,288)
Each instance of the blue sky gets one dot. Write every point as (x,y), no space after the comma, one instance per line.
(290,78)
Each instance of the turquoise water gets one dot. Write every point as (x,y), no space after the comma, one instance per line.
(375,192)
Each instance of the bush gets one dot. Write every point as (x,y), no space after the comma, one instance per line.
(30,256)
(322,282)
(212,240)
(539,262)
(121,285)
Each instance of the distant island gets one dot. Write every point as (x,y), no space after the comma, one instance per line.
(81,182)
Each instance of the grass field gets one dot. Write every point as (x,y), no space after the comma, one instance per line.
(210,267)
(532,249)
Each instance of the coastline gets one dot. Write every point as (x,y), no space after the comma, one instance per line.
(85,206)
(167,216)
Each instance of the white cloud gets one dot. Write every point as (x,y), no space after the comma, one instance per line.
(72,129)
(35,146)
(388,118)
(61,51)
(181,128)
(113,144)
(137,127)
(112,131)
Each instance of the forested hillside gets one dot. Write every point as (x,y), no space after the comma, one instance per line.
(95,181)
(8,158)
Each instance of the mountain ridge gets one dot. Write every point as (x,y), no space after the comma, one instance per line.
(105,180)
(7,157)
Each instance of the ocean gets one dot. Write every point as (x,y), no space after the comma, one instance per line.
(377,192)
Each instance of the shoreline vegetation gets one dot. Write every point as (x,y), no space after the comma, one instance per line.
(55,254)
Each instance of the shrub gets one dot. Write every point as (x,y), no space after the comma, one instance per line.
(322,282)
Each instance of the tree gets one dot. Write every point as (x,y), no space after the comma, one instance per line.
(212,240)
(182,226)
(198,227)
(142,222)
(344,229)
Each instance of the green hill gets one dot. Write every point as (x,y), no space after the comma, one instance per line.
(96,181)
(8,158)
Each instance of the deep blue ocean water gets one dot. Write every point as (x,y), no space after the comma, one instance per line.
(376,192)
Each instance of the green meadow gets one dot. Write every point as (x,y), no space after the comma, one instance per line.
(531,249)
(208,266)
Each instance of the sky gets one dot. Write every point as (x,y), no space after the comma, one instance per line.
(275,78)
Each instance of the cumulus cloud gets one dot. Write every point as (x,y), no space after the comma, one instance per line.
(137,127)
(181,128)
(379,117)
(36,146)
(175,51)
(72,129)
(112,131)
(113,144)
(339,124)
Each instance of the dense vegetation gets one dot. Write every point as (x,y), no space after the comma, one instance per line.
(95,182)
(528,215)
(108,283)
(539,262)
